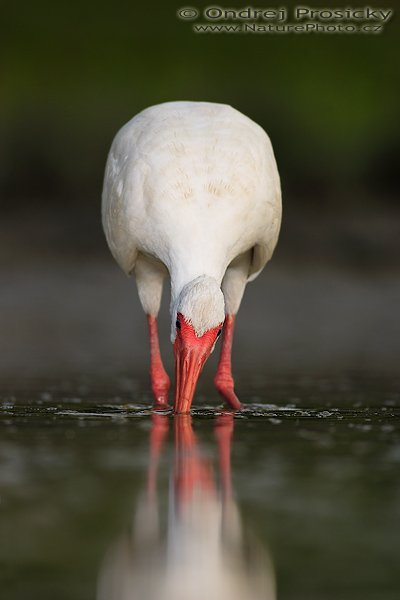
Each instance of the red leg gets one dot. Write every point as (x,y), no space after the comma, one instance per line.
(223,430)
(159,378)
(158,434)
(223,379)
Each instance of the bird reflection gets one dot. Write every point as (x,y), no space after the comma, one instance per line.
(200,548)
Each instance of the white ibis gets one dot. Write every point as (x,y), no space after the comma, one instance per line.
(199,547)
(192,190)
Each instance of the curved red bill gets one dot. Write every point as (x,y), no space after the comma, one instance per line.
(188,366)
(191,352)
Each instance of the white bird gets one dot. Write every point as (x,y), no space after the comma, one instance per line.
(192,190)
(193,545)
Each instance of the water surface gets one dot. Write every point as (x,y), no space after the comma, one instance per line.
(298,493)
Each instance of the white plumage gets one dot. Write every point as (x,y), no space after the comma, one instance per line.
(192,190)
(204,550)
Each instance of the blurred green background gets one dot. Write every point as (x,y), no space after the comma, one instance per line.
(74,72)
(322,488)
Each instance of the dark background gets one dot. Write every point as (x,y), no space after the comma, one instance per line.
(74,72)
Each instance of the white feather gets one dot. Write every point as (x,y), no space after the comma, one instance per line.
(193,185)
(201,301)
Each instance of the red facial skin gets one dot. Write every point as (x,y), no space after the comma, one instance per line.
(191,352)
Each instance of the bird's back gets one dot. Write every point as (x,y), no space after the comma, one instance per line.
(191,180)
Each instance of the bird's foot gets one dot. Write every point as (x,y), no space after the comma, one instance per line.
(160,398)
(225,386)
(160,403)
(160,385)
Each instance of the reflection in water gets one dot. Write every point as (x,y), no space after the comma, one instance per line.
(202,551)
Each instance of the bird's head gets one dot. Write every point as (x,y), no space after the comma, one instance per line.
(199,319)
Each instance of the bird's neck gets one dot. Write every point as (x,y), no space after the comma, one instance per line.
(185,277)
(200,300)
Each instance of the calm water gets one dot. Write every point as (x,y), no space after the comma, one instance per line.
(297,497)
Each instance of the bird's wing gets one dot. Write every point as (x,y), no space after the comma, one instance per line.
(194,183)
(115,224)
(265,246)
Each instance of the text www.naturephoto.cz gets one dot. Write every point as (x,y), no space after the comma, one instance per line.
(349,28)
